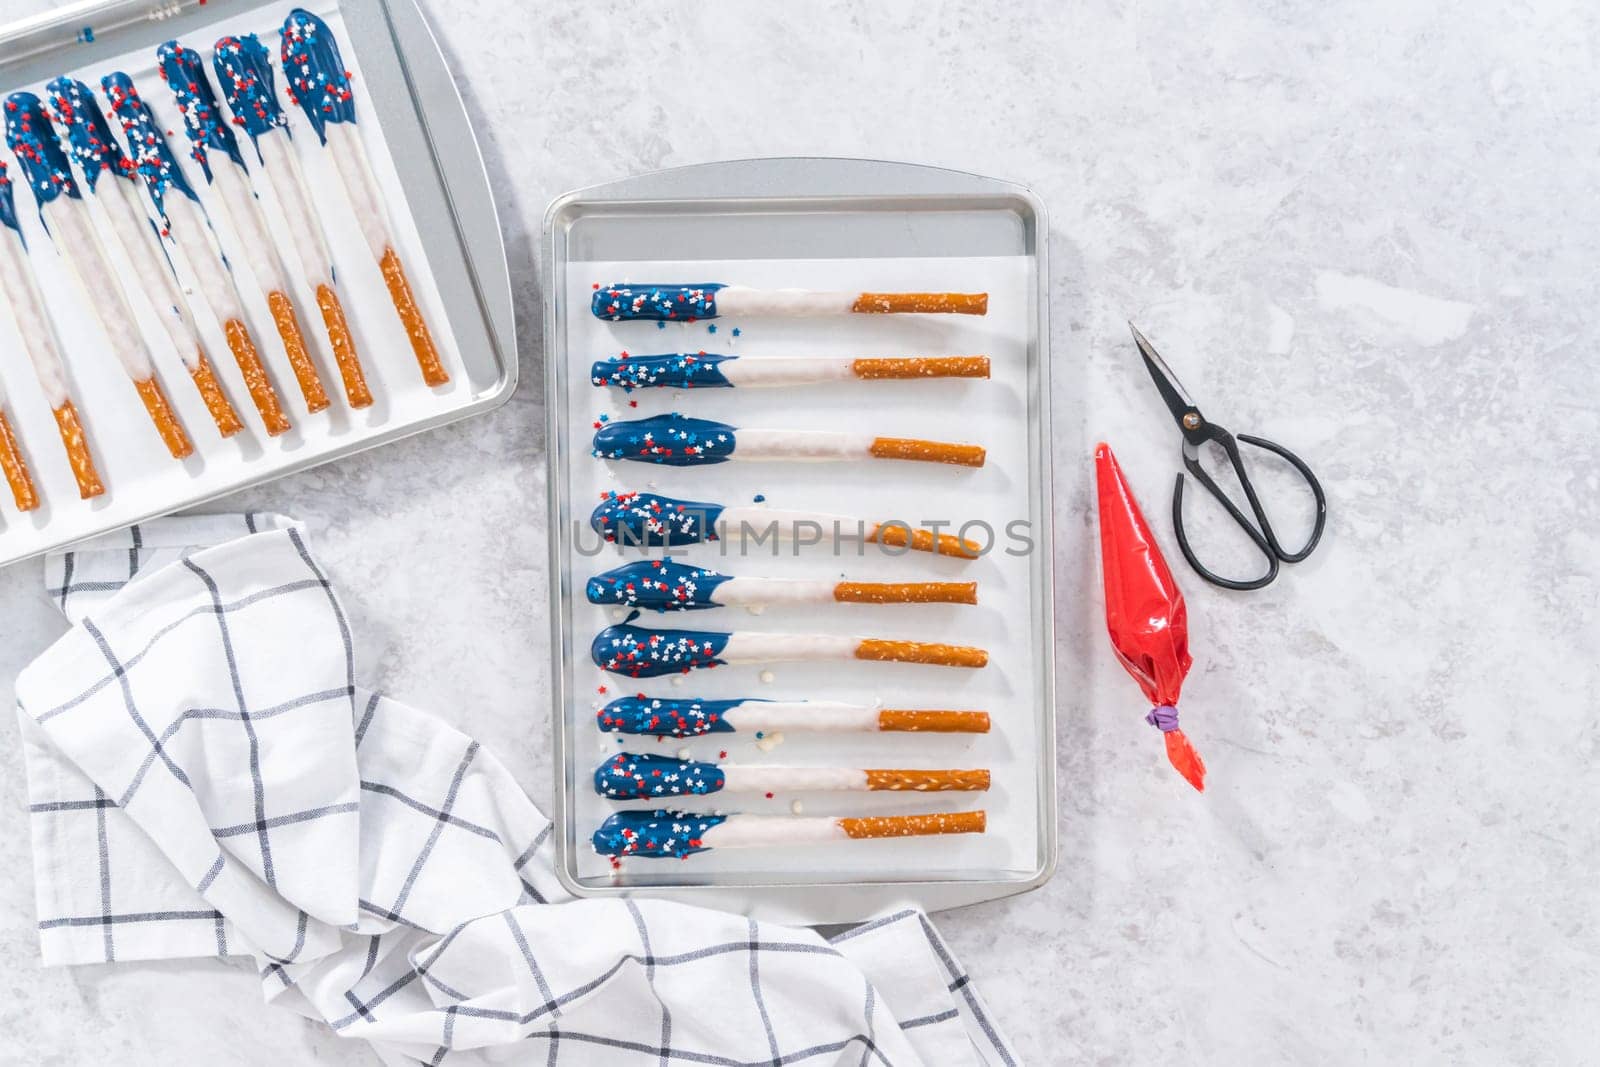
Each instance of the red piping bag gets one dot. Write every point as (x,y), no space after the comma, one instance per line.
(1145,613)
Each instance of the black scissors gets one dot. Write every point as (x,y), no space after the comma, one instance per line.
(1196,432)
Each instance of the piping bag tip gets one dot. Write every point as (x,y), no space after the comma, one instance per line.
(1187,762)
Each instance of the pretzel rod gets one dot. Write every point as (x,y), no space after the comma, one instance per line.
(76,443)
(167,424)
(680,834)
(246,75)
(900,536)
(12,463)
(921,652)
(184,73)
(287,320)
(256,381)
(704,370)
(205,380)
(14,467)
(679,441)
(692,717)
(99,156)
(921,304)
(649,652)
(667,585)
(344,348)
(642,776)
(320,83)
(954,822)
(679,302)
(19,292)
(66,215)
(191,234)
(182,221)
(649,519)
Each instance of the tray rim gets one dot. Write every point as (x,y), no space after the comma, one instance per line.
(795,901)
(433,115)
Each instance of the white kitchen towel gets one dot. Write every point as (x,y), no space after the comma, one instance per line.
(206,778)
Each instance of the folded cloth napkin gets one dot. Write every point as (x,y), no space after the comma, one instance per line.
(207,778)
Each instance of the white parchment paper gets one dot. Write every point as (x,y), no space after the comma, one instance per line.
(992,413)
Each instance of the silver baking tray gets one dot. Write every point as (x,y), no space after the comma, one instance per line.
(804,222)
(425,156)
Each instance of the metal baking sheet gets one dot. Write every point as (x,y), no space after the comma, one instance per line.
(427,161)
(805,222)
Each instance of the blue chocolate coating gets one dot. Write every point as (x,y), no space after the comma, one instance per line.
(640,776)
(674,440)
(185,74)
(147,145)
(671,371)
(656,585)
(647,519)
(245,74)
(666,718)
(8,204)
(89,136)
(654,833)
(649,652)
(315,72)
(648,302)
(38,150)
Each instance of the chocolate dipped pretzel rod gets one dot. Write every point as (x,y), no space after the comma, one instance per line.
(648,652)
(19,291)
(185,74)
(182,222)
(667,585)
(62,207)
(648,519)
(246,76)
(320,84)
(691,717)
(95,150)
(704,370)
(13,465)
(643,776)
(683,833)
(679,441)
(677,302)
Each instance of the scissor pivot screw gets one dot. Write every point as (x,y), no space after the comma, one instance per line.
(1191,421)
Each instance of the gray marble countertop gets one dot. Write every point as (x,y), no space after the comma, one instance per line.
(1367,230)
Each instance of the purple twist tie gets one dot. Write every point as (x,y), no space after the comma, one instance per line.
(1164,718)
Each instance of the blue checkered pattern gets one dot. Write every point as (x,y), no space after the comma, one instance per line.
(206,778)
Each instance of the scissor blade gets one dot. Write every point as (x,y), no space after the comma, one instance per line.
(1167,383)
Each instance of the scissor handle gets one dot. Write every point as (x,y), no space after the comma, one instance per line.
(1211,432)
(1261,534)
(1316,491)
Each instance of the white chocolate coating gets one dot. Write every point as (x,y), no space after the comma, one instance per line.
(787,370)
(744,592)
(739,300)
(305,231)
(731,523)
(20,292)
(801,444)
(748,647)
(801,715)
(73,228)
(191,234)
(131,226)
(242,210)
(350,159)
(752,831)
(746,779)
